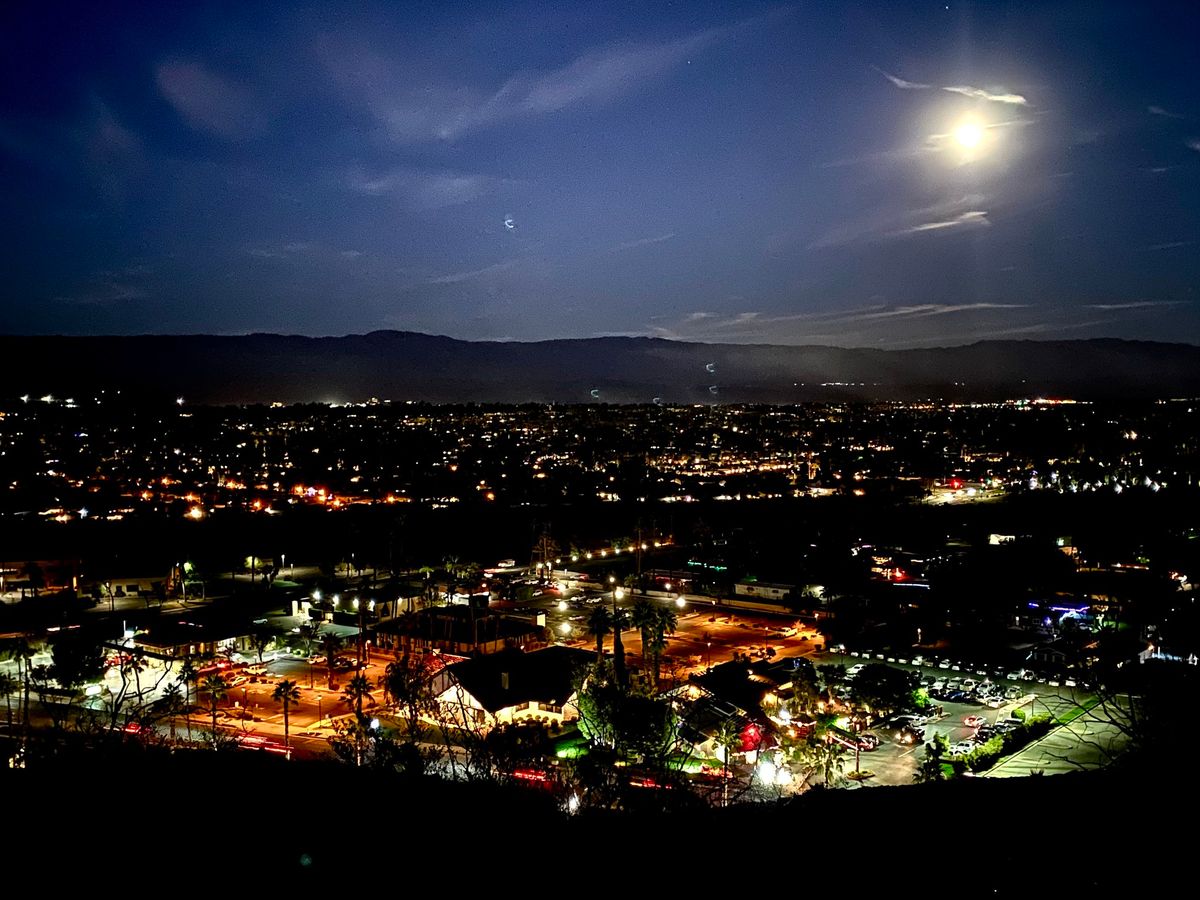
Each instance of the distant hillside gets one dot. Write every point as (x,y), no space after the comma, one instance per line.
(407,366)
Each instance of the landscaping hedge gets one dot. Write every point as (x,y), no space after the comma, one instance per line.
(988,754)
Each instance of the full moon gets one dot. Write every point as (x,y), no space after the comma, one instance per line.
(968,135)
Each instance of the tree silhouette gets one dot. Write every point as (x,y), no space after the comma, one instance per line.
(217,690)
(600,625)
(357,688)
(286,693)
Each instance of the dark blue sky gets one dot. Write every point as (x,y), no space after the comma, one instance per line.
(862,174)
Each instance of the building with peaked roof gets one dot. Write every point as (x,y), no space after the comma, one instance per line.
(511,685)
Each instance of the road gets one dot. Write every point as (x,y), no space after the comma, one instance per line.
(706,633)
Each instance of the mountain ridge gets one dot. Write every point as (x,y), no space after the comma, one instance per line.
(406,365)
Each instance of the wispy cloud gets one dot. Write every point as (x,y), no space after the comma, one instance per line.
(900,82)
(290,250)
(925,310)
(210,102)
(966,90)
(970,217)
(350,254)
(112,287)
(1194,144)
(980,94)
(876,324)
(1159,111)
(891,222)
(448,112)
(643,242)
(423,189)
(458,277)
(108,135)
(1136,304)
(1169,245)
(831,318)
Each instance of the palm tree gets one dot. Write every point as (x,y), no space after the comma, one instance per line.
(20,651)
(8,684)
(600,625)
(665,622)
(452,566)
(620,620)
(834,676)
(287,693)
(217,690)
(829,760)
(171,702)
(428,588)
(187,677)
(655,623)
(308,636)
(729,738)
(356,689)
(134,663)
(331,644)
(643,617)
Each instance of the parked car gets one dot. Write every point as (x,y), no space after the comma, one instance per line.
(974,720)
(1013,693)
(865,741)
(962,748)
(853,671)
(910,735)
(909,719)
(995,701)
(938,687)
(957,696)
(317,660)
(969,684)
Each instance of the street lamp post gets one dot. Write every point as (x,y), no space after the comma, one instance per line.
(320,714)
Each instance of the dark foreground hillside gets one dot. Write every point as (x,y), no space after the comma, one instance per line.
(195,822)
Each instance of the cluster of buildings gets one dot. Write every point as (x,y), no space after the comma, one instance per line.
(74,459)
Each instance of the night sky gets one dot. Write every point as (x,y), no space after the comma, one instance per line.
(861,174)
